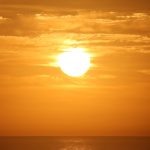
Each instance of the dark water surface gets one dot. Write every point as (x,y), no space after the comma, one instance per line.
(74,143)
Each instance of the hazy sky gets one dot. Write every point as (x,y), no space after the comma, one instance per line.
(112,98)
(100,4)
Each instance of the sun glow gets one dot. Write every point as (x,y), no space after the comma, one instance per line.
(74,62)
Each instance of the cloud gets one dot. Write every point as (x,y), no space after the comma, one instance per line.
(34,23)
(2,19)
(118,42)
(85,4)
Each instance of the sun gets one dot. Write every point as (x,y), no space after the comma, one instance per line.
(75,62)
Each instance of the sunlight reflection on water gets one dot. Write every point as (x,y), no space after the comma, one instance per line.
(75,144)
(76,148)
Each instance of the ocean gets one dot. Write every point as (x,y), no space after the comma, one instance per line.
(74,143)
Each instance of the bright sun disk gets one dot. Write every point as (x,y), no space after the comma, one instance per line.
(74,62)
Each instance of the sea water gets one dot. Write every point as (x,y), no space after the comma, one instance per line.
(74,143)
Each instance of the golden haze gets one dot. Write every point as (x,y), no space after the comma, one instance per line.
(111,98)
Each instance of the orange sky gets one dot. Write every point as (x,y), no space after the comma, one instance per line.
(112,98)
